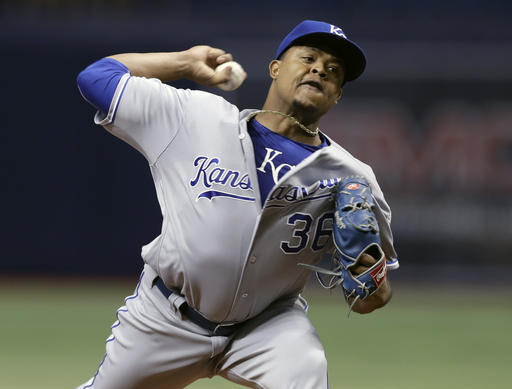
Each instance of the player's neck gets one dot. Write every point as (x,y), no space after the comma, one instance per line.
(285,126)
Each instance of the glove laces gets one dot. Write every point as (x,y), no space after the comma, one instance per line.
(336,279)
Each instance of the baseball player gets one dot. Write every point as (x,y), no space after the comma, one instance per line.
(248,202)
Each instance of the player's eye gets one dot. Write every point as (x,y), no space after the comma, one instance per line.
(334,67)
(308,59)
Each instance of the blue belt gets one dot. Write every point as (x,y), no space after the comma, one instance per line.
(195,317)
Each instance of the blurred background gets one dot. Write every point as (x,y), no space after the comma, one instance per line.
(432,114)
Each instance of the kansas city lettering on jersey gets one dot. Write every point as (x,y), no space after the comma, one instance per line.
(210,174)
(289,193)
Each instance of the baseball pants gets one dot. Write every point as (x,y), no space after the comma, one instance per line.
(153,347)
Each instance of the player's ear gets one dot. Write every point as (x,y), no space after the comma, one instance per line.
(273,68)
(340,93)
(338,96)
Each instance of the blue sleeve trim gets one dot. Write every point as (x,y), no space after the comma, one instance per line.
(120,95)
(392,263)
(98,82)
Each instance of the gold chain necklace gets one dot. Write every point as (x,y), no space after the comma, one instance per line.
(306,130)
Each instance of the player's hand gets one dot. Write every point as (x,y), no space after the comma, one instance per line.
(376,300)
(201,62)
(365,262)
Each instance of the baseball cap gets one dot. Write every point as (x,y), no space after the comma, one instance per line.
(312,30)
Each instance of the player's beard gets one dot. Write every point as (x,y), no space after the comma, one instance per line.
(306,113)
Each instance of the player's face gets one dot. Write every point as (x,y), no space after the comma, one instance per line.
(309,78)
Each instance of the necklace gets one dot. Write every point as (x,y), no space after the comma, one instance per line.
(304,128)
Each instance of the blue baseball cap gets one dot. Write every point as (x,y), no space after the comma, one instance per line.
(310,31)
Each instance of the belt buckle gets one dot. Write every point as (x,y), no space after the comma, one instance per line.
(230,328)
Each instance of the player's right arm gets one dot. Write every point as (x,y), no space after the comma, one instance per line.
(98,82)
(196,64)
(134,104)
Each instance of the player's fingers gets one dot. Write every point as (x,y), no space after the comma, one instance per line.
(217,56)
(214,52)
(220,77)
(358,269)
(224,58)
(367,260)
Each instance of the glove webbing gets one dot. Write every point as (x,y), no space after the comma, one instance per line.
(353,207)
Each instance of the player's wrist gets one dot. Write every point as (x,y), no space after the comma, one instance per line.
(181,64)
(383,294)
(190,63)
(376,300)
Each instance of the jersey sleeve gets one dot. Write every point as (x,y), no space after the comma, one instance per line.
(98,82)
(145,113)
(383,214)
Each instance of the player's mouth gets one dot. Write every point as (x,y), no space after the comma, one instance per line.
(313,85)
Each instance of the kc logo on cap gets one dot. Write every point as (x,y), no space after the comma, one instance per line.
(338,31)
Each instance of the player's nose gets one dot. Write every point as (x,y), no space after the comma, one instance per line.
(319,68)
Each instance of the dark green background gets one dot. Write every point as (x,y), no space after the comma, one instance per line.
(52,336)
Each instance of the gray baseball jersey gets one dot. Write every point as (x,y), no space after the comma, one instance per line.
(225,253)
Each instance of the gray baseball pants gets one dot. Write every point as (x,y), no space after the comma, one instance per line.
(153,347)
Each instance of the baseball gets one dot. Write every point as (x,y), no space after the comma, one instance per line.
(237,75)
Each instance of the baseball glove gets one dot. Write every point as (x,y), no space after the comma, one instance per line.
(355,232)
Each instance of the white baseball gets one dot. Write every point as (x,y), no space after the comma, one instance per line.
(236,78)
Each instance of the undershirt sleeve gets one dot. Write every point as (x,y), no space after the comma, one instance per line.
(98,82)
